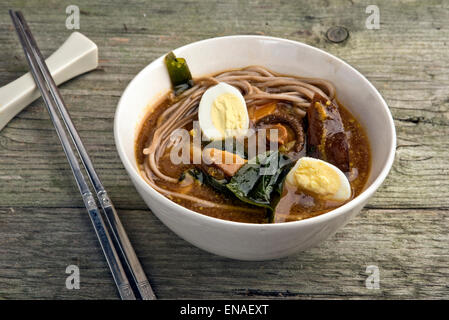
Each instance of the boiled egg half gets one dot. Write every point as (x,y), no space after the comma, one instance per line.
(319,178)
(222,112)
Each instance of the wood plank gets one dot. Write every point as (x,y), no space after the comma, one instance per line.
(410,247)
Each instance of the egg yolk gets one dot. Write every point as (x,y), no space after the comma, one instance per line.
(316,177)
(227,114)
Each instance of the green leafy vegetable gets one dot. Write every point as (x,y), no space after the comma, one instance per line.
(178,70)
(259,182)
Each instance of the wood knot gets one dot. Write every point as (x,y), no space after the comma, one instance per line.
(337,34)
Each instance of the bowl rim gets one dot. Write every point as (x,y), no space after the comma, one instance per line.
(347,207)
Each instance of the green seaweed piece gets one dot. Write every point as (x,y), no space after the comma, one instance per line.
(179,72)
(260,181)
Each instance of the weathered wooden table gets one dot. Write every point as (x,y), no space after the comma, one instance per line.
(403,230)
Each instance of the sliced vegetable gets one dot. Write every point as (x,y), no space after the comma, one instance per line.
(258,113)
(178,70)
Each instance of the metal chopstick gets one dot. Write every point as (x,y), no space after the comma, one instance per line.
(120,236)
(107,246)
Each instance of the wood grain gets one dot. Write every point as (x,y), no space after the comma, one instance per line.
(44,228)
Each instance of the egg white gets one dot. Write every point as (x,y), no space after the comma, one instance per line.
(210,132)
(343,192)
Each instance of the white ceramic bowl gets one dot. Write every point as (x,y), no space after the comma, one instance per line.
(246,241)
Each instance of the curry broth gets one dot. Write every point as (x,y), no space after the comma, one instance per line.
(293,205)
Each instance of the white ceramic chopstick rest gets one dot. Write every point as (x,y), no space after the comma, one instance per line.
(77,55)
